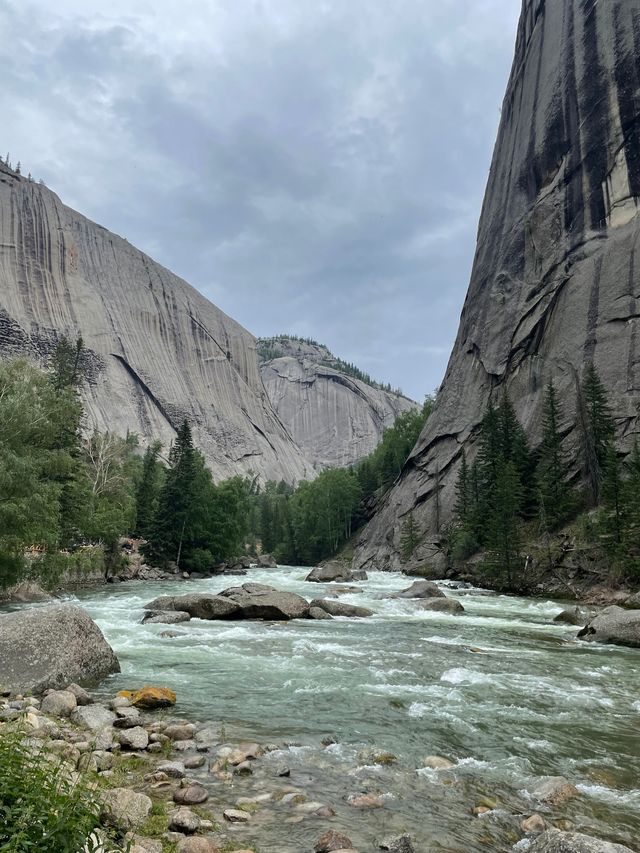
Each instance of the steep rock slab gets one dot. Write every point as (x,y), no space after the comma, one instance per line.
(555,277)
(158,351)
(335,418)
(52,647)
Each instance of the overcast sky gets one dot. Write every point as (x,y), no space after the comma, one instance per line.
(312,166)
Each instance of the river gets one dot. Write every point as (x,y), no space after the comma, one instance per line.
(501,690)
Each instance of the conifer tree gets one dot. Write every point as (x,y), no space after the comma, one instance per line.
(66,363)
(598,429)
(552,474)
(176,503)
(504,524)
(409,538)
(463,502)
(147,493)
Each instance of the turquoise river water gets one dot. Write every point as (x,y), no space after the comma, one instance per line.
(500,690)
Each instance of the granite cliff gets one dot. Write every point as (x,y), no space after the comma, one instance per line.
(157,350)
(555,282)
(334,413)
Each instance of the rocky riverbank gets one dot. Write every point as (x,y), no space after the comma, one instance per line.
(170,785)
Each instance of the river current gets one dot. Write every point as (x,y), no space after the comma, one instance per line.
(500,690)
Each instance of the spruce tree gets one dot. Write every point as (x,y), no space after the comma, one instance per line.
(177,500)
(463,502)
(147,493)
(409,538)
(504,525)
(598,429)
(66,364)
(555,494)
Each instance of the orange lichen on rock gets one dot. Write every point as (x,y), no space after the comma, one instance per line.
(150,697)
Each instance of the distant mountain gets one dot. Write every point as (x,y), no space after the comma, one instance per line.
(333,411)
(158,350)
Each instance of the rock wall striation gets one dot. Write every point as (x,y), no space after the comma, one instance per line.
(335,418)
(158,351)
(556,276)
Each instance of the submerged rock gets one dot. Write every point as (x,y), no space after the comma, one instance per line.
(331,841)
(399,844)
(554,791)
(614,625)
(555,841)
(437,762)
(339,608)
(51,647)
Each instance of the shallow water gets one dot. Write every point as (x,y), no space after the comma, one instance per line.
(500,690)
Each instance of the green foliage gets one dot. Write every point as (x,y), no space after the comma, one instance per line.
(556,497)
(410,537)
(38,429)
(66,364)
(315,520)
(597,429)
(41,807)
(148,490)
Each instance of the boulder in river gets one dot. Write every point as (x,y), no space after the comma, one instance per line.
(420,589)
(572,616)
(336,571)
(613,625)
(249,601)
(51,647)
(149,698)
(330,841)
(443,605)
(399,844)
(319,613)
(554,791)
(555,841)
(165,617)
(339,608)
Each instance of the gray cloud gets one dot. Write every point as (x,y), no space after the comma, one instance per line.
(315,168)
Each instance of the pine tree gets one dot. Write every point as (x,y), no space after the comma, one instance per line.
(147,493)
(410,538)
(463,503)
(18,168)
(598,429)
(555,494)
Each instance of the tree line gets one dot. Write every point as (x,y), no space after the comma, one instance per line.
(304,525)
(511,491)
(61,490)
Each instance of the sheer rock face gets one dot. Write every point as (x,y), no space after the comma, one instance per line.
(158,351)
(335,419)
(556,276)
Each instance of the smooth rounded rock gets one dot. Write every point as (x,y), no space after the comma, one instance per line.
(330,841)
(59,703)
(192,794)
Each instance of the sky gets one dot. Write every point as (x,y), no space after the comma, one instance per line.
(314,168)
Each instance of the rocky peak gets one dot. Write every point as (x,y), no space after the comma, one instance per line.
(334,412)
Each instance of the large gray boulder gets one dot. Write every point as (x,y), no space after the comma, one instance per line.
(249,601)
(52,647)
(420,589)
(613,625)
(339,608)
(555,841)
(335,571)
(442,605)
(165,617)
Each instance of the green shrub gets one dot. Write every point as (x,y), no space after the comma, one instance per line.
(42,807)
